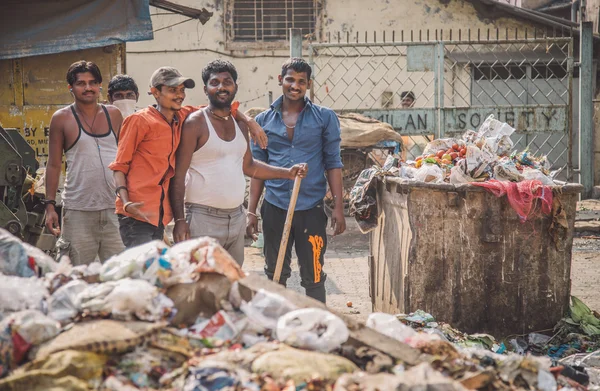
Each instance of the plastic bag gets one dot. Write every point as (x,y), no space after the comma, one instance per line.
(18,294)
(32,325)
(312,328)
(506,170)
(441,144)
(496,135)
(126,298)
(458,173)
(65,303)
(537,175)
(133,262)
(14,260)
(220,326)
(264,310)
(389,325)
(429,173)
(202,255)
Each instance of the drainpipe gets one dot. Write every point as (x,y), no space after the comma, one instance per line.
(574,6)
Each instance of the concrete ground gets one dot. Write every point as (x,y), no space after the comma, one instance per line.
(348,271)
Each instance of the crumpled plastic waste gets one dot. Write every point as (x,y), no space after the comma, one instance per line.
(265,309)
(202,255)
(65,304)
(389,325)
(535,371)
(214,379)
(363,196)
(126,298)
(429,173)
(19,293)
(496,135)
(32,325)
(312,328)
(15,260)
(222,326)
(141,262)
(19,332)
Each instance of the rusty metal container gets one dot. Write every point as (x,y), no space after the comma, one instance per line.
(461,254)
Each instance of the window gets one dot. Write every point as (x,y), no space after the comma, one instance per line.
(519,72)
(270,20)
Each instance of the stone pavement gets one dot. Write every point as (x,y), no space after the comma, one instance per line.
(346,265)
(347,268)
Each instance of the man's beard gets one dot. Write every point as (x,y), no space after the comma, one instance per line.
(217,104)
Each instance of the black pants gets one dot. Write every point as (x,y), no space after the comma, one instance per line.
(308,234)
(134,232)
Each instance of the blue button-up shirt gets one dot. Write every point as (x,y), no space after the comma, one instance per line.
(316,142)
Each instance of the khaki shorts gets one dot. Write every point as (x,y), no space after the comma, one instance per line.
(87,235)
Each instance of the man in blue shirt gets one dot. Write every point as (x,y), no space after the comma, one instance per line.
(299,131)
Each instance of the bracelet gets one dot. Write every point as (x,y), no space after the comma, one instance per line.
(49,202)
(180,219)
(119,188)
(126,205)
(252,214)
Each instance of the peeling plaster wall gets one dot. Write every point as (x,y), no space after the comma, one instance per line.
(189,46)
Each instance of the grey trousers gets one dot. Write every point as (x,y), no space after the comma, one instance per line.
(87,234)
(227,226)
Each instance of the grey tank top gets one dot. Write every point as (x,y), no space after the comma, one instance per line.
(89,183)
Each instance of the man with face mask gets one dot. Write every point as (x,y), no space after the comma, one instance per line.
(145,160)
(123,93)
(212,158)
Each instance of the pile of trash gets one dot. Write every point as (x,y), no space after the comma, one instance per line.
(481,158)
(178,318)
(478,157)
(572,349)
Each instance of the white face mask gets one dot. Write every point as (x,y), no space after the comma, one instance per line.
(126,106)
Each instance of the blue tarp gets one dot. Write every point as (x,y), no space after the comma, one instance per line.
(36,27)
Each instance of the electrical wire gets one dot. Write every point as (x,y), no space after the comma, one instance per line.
(174,24)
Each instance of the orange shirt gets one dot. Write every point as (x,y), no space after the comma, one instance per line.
(146,155)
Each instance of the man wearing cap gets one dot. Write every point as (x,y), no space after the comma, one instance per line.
(145,160)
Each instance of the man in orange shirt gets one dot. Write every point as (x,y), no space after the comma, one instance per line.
(145,160)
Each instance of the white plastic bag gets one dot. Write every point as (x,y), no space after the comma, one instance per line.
(18,294)
(458,175)
(32,325)
(429,173)
(535,174)
(133,262)
(434,146)
(389,325)
(264,310)
(312,328)
(65,303)
(126,298)
(506,170)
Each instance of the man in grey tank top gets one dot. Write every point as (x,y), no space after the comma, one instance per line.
(87,134)
(214,154)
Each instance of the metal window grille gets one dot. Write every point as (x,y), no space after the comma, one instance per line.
(270,20)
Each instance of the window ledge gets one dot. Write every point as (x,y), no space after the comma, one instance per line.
(268,45)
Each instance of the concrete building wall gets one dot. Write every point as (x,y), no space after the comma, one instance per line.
(190,45)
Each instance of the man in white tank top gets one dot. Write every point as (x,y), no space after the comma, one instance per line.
(211,160)
(87,134)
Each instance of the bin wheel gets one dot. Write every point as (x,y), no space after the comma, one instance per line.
(354,162)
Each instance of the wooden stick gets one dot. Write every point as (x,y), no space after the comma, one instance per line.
(286,229)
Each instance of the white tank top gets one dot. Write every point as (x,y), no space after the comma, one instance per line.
(216,177)
(89,183)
